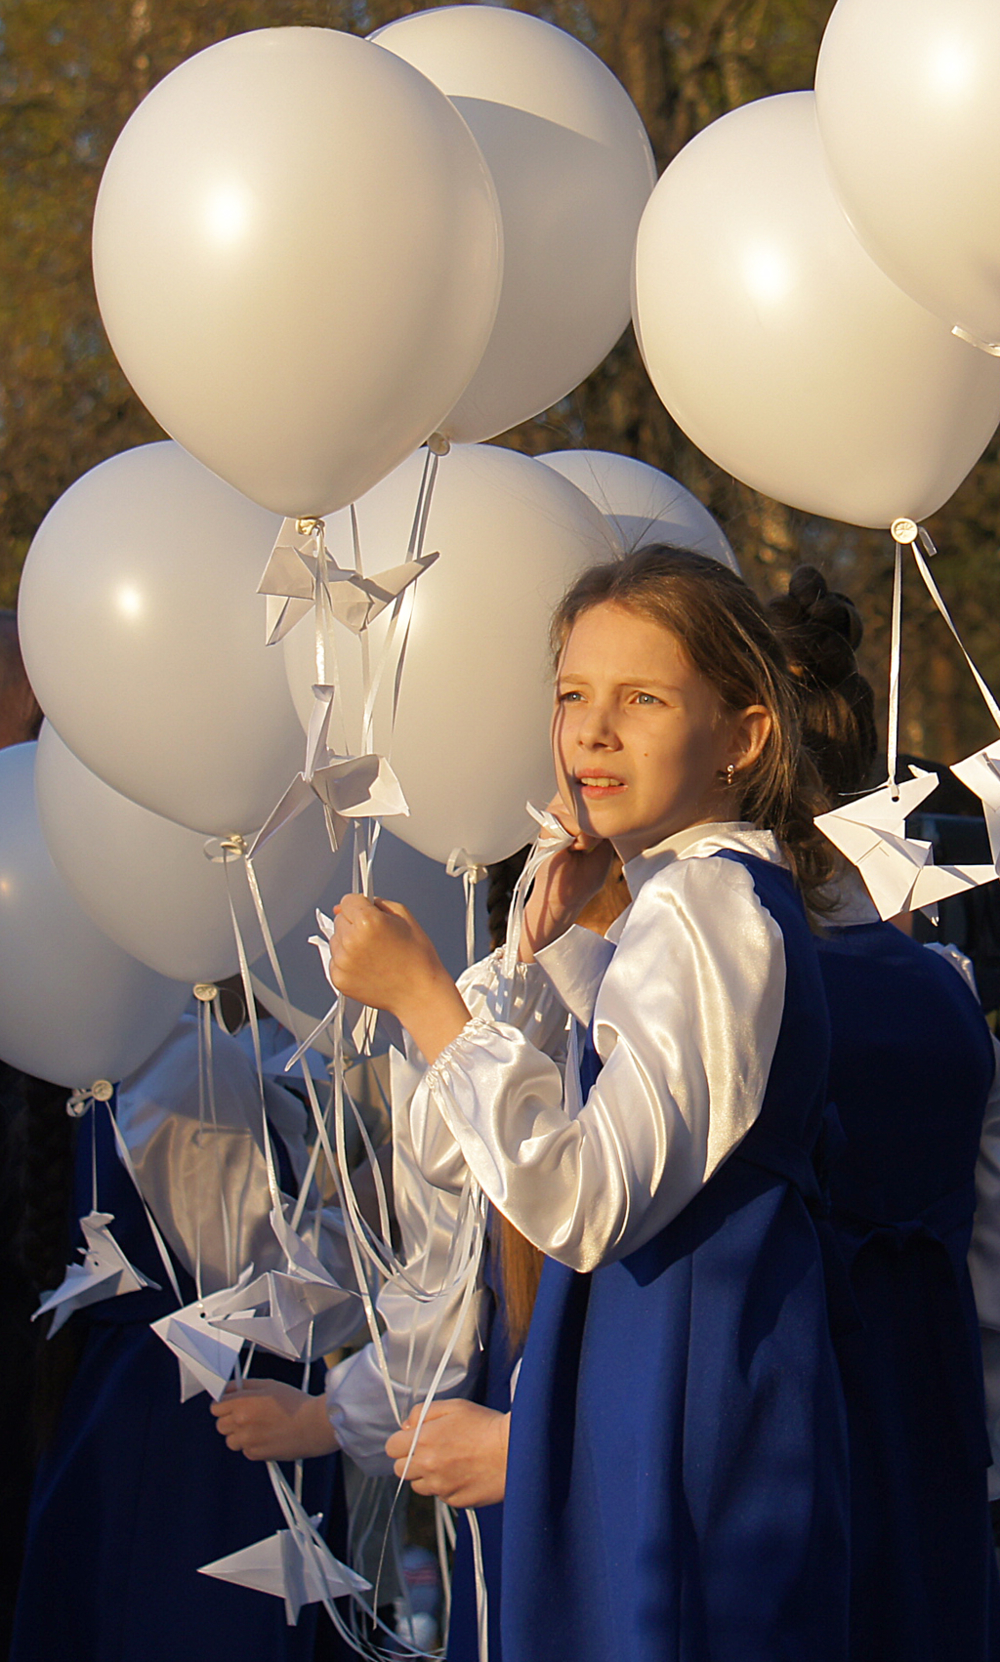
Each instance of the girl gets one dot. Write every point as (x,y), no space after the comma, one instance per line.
(911,1071)
(676,1485)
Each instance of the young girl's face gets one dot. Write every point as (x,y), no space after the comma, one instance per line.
(641,739)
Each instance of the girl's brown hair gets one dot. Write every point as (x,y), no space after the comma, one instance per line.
(725,632)
(821,631)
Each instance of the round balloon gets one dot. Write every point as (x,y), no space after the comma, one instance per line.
(573,170)
(642,505)
(297,253)
(74,1007)
(906,94)
(400,873)
(150,884)
(143,638)
(779,346)
(471,739)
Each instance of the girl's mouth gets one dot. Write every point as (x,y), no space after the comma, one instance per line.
(596,785)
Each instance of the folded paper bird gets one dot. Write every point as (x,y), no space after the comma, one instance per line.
(300,1312)
(104,1273)
(298,565)
(293,1564)
(898,871)
(206,1355)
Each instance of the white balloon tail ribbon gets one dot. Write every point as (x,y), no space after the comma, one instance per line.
(206,1356)
(991,347)
(898,871)
(551,839)
(460,864)
(104,1273)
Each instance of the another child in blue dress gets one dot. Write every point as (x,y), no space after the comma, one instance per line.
(911,1072)
(676,1486)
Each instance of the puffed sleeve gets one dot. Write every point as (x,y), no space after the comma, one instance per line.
(984,1265)
(686,1023)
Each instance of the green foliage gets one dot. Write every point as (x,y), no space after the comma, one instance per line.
(70,77)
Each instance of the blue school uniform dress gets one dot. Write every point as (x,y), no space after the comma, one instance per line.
(912,1068)
(677,1479)
(139,1489)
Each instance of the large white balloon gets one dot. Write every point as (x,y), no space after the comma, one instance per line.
(641,504)
(573,170)
(471,742)
(143,638)
(906,94)
(781,348)
(73,1006)
(400,873)
(297,253)
(149,884)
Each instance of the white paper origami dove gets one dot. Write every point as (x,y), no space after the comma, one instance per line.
(293,1564)
(981,773)
(898,871)
(349,787)
(292,574)
(104,1273)
(206,1354)
(298,1312)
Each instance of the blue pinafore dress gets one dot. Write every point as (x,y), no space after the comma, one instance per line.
(139,1489)
(677,1482)
(912,1064)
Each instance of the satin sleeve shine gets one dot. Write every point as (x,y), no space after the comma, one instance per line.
(686,1022)
(984,1266)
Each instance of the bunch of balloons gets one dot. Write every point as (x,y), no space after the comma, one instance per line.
(816,291)
(313,254)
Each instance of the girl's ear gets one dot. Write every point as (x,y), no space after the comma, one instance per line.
(751,731)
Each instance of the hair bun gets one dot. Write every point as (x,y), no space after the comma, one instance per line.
(818,604)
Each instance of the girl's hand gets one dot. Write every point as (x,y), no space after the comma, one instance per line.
(564,885)
(380,956)
(461,1453)
(266,1420)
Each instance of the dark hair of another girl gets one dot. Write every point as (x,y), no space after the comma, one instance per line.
(724,630)
(821,631)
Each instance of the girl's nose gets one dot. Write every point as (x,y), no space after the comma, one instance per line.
(597,730)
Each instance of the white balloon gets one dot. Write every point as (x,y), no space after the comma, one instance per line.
(149,883)
(400,873)
(471,742)
(297,253)
(573,170)
(143,638)
(906,95)
(778,344)
(74,1007)
(642,505)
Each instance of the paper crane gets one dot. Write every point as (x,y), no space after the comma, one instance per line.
(292,575)
(298,1312)
(981,773)
(206,1355)
(349,787)
(898,871)
(293,1564)
(104,1273)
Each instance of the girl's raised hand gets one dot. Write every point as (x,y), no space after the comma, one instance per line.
(380,956)
(461,1453)
(267,1420)
(564,885)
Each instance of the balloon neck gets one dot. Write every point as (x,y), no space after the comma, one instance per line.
(306,527)
(990,346)
(438,445)
(205,991)
(904,530)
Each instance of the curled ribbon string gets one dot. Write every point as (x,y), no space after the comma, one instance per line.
(932,589)
(161,1246)
(551,839)
(895,655)
(234,847)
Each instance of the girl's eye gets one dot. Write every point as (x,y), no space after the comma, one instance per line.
(570,697)
(646,698)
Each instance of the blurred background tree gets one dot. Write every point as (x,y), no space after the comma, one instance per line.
(70,75)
